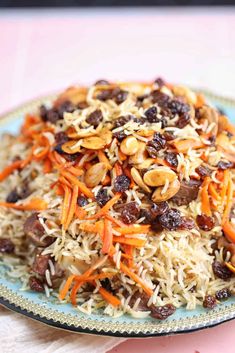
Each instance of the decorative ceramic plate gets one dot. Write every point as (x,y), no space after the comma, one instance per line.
(48,311)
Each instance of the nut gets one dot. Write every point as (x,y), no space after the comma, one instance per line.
(93,143)
(185,92)
(81,134)
(106,135)
(138,180)
(158,176)
(129,146)
(145,164)
(70,147)
(172,189)
(140,155)
(146,133)
(95,174)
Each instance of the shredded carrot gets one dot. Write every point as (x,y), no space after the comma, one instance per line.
(66,287)
(80,212)
(136,278)
(65,205)
(213,192)
(118,169)
(230,267)
(72,207)
(128,174)
(229,202)
(96,227)
(106,207)
(206,209)
(130,241)
(229,231)
(107,237)
(59,190)
(87,192)
(98,276)
(47,166)
(121,155)
(109,297)
(43,153)
(114,220)
(102,158)
(184,145)
(10,169)
(106,180)
(64,181)
(135,229)
(129,250)
(75,171)
(225,184)
(32,205)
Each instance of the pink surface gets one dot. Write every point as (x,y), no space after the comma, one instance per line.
(43,52)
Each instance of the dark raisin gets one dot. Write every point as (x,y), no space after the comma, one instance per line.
(156,144)
(6,246)
(169,135)
(172,159)
(13,196)
(43,112)
(122,120)
(187,223)
(64,107)
(221,271)
(82,201)
(171,219)
(53,116)
(178,107)
(148,216)
(120,97)
(183,121)
(160,82)
(40,264)
(106,284)
(102,197)
(82,105)
(162,312)
(203,171)
(120,135)
(121,183)
(151,114)
(130,213)
(61,137)
(143,304)
(224,293)
(204,222)
(95,118)
(229,134)
(58,148)
(105,95)
(160,208)
(142,98)
(224,165)
(35,284)
(209,302)
(102,83)
(160,98)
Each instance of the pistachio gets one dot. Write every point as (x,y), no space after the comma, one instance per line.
(158,176)
(185,92)
(70,147)
(93,143)
(171,191)
(129,146)
(138,180)
(95,174)
(140,155)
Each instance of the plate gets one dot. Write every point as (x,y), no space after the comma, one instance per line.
(64,316)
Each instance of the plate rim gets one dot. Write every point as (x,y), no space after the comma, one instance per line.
(21,305)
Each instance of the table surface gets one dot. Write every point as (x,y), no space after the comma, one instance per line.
(43,51)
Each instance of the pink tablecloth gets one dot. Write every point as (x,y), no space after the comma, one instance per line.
(41,52)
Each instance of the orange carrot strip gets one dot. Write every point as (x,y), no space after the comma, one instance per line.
(72,207)
(230,267)
(229,231)
(184,145)
(66,287)
(128,174)
(47,166)
(109,297)
(10,169)
(80,212)
(106,180)
(225,184)
(213,192)
(96,227)
(95,277)
(32,205)
(64,181)
(135,229)
(121,155)
(87,192)
(75,171)
(118,169)
(205,197)
(130,241)
(114,220)
(102,158)
(136,278)
(65,205)
(229,202)
(106,207)
(107,237)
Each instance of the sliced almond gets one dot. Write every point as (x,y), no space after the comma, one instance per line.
(138,180)
(145,164)
(140,155)
(158,176)
(106,135)
(81,134)
(93,143)
(146,133)
(129,146)
(70,147)
(95,174)
(171,191)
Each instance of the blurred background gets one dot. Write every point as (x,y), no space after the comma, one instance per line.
(46,49)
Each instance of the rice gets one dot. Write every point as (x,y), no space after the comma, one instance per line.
(173,265)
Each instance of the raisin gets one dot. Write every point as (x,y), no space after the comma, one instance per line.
(169,135)
(65,107)
(101,83)
(35,284)
(120,96)
(209,302)
(203,171)
(187,223)
(13,196)
(162,312)
(156,144)
(105,95)
(53,116)
(120,135)
(183,121)
(151,115)
(172,159)
(142,98)
(160,208)
(130,213)
(61,137)
(106,284)
(6,246)
(171,219)
(221,271)
(224,165)
(82,201)
(58,148)
(224,293)
(204,222)
(148,216)
(178,107)
(43,112)
(122,120)
(160,98)
(160,82)
(121,183)
(40,264)
(102,197)
(95,118)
